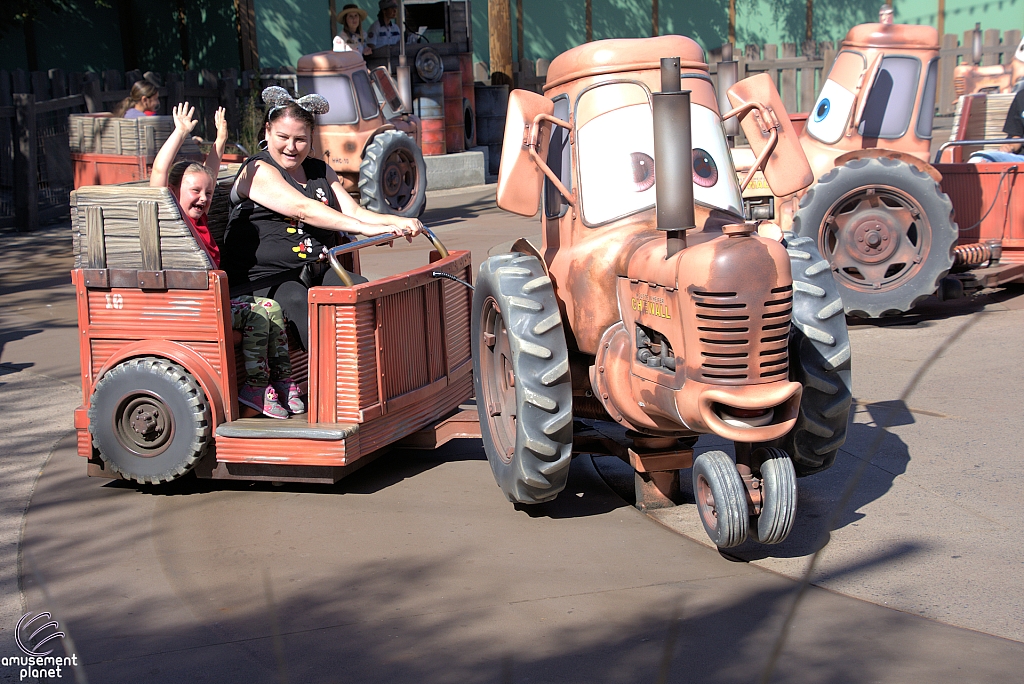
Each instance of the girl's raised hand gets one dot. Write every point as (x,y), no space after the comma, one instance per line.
(222,125)
(183,121)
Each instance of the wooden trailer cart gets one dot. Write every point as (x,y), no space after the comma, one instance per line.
(386,359)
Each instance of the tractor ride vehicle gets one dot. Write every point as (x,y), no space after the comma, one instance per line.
(878,210)
(160,365)
(367,136)
(992,78)
(651,309)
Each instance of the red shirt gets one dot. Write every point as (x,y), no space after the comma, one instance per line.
(201,231)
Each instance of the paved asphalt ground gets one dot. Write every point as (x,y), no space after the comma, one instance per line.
(415,569)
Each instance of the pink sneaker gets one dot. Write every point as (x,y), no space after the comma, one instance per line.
(263,399)
(293,395)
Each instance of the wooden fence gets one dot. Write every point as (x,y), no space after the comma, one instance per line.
(36,174)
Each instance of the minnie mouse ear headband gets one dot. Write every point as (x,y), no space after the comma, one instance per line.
(278,97)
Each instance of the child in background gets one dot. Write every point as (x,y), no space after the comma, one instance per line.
(264,339)
(142,100)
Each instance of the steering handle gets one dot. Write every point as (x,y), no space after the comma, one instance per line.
(334,252)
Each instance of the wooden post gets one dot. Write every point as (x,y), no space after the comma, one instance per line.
(654,16)
(500,43)
(58,84)
(333,8)
(228,87)
(186,57)
(245,23)
(732,22)
(96,244)
(149,236)
(589,20)
(26,183)
(990,39)
(942,18)
(91,93)
(519,32)
(809,34)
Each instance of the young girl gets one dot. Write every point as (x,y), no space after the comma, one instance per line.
(264,340)
(142,100)
(350,36)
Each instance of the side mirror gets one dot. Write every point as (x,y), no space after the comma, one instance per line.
(772,137)
(525,144)
(387,87)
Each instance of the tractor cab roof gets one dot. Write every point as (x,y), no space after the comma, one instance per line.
(330,62)
(621,55)
(902,36)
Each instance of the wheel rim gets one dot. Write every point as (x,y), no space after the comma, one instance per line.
(876,239)
(706,503)
(143,424)
(498,381)
(399,180)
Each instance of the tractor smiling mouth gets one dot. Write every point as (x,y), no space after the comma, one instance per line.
(745,418)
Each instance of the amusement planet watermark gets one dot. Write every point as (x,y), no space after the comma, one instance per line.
(34,636)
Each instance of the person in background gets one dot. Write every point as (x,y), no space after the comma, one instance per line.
(142,100)
(385,30)
(268,370)
(350,37)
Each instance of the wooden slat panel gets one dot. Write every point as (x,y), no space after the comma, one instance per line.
(97,241)
(356,365)
(149,236)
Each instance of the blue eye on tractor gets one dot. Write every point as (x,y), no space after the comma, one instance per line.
(822,111)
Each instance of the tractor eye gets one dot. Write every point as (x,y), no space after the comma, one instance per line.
(822,111)
(643,171)
(705,171)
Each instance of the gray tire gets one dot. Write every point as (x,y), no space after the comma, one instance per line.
(393,176)
(149,420)
(778,496)
(819,359)
(721,499)
(521,376)
(887,230)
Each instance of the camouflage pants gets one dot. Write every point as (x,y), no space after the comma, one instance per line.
(264,339)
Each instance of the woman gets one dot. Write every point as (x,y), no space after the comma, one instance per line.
(288,208)
(351,37)
(268,385)
(142,100)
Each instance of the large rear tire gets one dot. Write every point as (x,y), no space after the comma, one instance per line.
(393,176)
(887,230)
(521,376)
(149,420)
(819,359)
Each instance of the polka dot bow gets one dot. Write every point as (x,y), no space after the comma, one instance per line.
(276,96)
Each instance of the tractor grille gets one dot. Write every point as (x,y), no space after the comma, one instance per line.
(743,339)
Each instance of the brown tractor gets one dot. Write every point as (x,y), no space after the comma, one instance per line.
(970,78)
(878,210)
(650,305)
(367,137)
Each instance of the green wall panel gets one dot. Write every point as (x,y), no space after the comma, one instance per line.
(289,29)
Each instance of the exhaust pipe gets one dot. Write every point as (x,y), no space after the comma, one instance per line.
(728,75)
(673,158)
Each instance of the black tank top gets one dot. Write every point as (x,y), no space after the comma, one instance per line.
(259,242)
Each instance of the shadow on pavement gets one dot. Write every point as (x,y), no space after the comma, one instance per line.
(931,309)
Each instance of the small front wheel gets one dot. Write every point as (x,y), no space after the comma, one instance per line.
(778,496)
(721,498)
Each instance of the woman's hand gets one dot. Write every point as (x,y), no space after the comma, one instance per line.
(374,229)
(222,126)
(183,121)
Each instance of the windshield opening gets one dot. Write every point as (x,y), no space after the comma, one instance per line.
(337,89)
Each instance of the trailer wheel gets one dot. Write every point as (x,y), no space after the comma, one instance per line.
(721,499)
(778,492)
(393,176)
(887,229)
(521,376)
(819,359)
(149,420)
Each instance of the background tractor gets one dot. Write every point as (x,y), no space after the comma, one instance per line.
(371,142)
(880,213)
(651,310)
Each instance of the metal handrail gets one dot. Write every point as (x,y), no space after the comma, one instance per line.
(334,252)
(960,143)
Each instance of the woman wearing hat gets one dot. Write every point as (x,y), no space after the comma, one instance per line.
(351,36)
(384,31)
